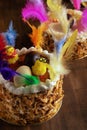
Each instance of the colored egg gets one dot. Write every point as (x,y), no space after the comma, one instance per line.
(32,56)
(19,80)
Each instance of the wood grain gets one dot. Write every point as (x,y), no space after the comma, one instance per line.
(73,114)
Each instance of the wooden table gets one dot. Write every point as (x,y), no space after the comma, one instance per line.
(73,113)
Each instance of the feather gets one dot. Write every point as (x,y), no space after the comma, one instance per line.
(2,46)
(34,9)
(3,64)
(58,41)
(82,22)
(57,31)
(60,67)
(62,16)
(66,52)
(76,3)
(2,43)
(53,5)
(37,33)
(60,61)
(10,35)
(29,79)
(59,44)
(60,13)
(7,73)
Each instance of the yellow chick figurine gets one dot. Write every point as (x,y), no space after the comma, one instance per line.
(11,54)
(40,67)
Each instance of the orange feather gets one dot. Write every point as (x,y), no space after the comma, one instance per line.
(37,33)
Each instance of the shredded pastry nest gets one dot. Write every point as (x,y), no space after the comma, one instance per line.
(80,49)
(32,108)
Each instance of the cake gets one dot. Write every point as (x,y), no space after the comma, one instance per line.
(31,78)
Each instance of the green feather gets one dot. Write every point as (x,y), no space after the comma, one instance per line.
(30,80)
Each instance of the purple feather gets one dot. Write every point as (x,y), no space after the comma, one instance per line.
(3,64)
(7,73)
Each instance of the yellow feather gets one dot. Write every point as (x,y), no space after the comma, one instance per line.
(60,61)
(53,5)
(59,12)
(62,16)
(60,67)
(68,47)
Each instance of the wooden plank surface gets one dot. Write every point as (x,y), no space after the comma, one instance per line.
(73,113)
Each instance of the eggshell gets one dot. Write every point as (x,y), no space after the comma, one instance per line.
(18,80)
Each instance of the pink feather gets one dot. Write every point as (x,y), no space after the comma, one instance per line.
(34,9)
(76,3)
(82,23)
